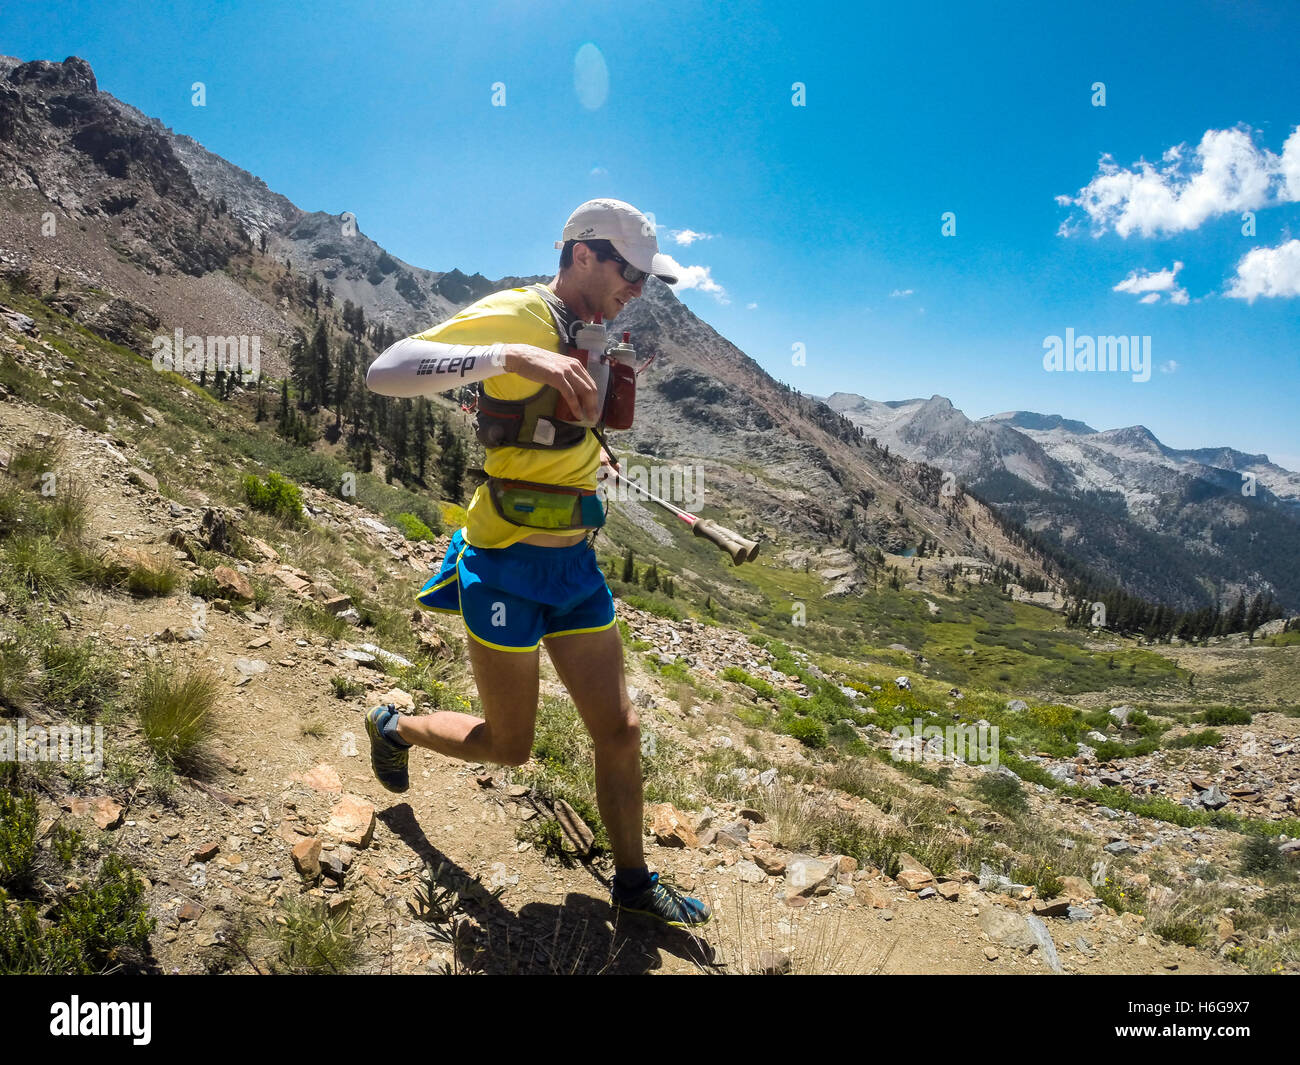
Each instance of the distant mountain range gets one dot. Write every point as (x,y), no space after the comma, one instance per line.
(1173,524)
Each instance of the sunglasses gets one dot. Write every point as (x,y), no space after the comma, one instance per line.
(630,273)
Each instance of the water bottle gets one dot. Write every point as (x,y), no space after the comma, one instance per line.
(590,342)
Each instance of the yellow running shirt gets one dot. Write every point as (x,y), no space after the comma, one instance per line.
(515,316)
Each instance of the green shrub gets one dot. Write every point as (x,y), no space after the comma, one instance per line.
(156,577)
(1040,875)
(1205,738)
(67,843)
(93,930)
(1185,933)
(79,679)
(175,711)
(205,586)
(842,833)
(1110,751)
(69,507)
(344,688)
(39,564)
(17,673)
(1002,792)
(1119,899)
(17,837)
(313,616)
(31,458)
(808,731)
(1260,857)
(276,496)
(653,605)
(547,838)
(414,529)
(310,940)
(759,685)
(1226,715)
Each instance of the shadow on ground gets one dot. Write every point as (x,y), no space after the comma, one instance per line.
(583,936)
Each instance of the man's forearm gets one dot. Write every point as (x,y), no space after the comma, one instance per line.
(414,367)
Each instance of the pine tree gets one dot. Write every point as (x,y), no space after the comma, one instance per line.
(282,421)
(343,379)
(652,577)
(452,470)
(421,437)
(320,368)
(1235,620)
(399,438)
(300,364)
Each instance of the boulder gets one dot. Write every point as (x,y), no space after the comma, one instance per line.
(353,821)
(913,875)
(671,827)
(805,875)
(306,858)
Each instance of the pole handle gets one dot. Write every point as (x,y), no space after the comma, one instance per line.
(740,549)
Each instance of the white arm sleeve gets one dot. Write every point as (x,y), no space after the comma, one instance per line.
(414,367)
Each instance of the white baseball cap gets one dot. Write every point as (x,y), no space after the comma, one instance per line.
(631,233)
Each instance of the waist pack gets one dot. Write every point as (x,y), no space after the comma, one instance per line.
(546,506)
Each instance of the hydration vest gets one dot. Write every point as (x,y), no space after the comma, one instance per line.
(531,422)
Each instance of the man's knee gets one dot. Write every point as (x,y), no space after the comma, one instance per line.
(623,730)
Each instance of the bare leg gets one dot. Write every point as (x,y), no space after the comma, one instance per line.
(507,683)
(591,666)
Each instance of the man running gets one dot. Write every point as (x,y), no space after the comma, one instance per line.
(516,587)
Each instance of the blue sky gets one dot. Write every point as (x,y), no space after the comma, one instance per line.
(822,222)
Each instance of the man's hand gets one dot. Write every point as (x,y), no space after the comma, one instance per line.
(563,372)
(607,468)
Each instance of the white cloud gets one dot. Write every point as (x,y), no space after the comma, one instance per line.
(1267,272)
(598,171)
(697,277)
(1226,173)
(900,293)
(1151,284)
(751,306)
(689,236)
(1169,366)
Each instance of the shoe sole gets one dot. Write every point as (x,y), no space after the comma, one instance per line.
(372,731)
(661,919)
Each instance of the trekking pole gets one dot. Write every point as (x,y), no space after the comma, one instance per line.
(740,549)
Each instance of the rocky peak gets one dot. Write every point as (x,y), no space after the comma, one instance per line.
(73,74)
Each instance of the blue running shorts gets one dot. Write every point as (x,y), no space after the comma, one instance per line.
(510,597)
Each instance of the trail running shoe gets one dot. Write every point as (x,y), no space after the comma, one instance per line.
(387,759)
(663,902)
